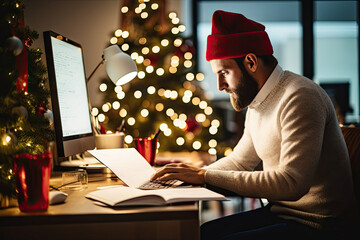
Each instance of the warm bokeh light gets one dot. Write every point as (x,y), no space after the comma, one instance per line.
(103,87)
(125,47)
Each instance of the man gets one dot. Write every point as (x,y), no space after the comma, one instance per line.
(291,127)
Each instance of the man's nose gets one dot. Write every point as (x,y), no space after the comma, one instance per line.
(222,84)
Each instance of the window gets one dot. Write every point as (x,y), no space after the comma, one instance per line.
(336,54)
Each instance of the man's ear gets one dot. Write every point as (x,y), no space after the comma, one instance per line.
(251,62)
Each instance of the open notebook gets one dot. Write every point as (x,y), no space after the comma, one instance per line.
(131,167)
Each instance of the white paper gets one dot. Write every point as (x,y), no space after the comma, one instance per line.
(126,163)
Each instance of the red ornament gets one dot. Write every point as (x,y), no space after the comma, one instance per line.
(41,110)
(191,125)
(153,59)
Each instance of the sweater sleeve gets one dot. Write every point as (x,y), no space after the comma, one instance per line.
(301,121)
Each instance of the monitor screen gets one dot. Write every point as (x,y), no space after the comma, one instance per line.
(70,103)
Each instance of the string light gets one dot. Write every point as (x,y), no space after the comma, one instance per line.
(118,33)
(173,95)
(195,101)
(147,62)
(164,42)
(212,151)
(203,104)
(134,55)
(151,90)
(160,71)
(213,130)
(167,132)
(180,141)
(123,112)
(177,42)
(167,93)
(120,95)
(188,55)
(182,28)
(159,107)
(196,145)
(125,34)
(149,69)
(175,20)
(118,89)
(190,76)
(131,121)
(154,6)
(144,15)
(161,92)
(125,47)
(187,63)
(113,40)
(155,49)
(186,99)
(212,143)
(215,123)
(172,70)
(145,50)
(128,139)
(170,112)
(144,112)
(140,59)
(142,6)
(200,77)
(94,111)
(106,107)
(183,117)
(138,10)
(175,30)
(116,105)
(208,110)
(163,126)
(200,117)
(141,74)
(124,9)
(103,87)
(137,94)
(142,40)
(172,15)
(101,117)
(188,93)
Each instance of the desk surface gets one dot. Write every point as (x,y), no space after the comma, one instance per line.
(79,210)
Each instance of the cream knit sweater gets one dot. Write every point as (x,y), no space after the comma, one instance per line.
(292,128)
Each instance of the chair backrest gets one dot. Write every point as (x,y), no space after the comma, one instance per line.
(352,139)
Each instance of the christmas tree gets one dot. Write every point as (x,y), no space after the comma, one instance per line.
(166,94)
(24,115)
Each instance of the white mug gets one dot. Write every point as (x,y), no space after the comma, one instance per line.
(107,141)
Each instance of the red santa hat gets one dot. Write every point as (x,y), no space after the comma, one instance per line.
(234,36)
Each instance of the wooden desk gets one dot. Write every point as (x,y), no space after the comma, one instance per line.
(80,218)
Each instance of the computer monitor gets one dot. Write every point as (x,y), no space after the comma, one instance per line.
(339,94)
(69,97)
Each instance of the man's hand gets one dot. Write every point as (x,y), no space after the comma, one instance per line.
(181,171)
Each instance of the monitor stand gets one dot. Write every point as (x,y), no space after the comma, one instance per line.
(85,160)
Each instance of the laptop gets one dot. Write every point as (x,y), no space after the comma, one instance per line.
(131,168)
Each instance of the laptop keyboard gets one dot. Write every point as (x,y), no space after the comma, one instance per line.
(156,184)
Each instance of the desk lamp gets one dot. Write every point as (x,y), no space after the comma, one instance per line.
(119,66)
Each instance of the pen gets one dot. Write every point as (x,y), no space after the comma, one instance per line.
(156,133)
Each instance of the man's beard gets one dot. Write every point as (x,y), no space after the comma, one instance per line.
(245,91)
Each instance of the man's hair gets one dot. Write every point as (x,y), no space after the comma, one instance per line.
(268,60)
